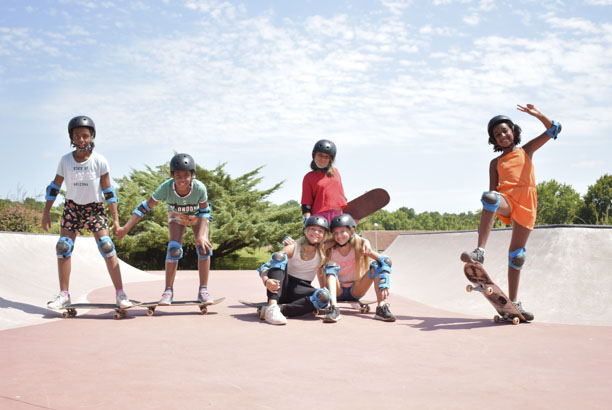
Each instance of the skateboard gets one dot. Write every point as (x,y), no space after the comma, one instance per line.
(151,306)
(71,310)
(367,203)
(363,306)
(502,304)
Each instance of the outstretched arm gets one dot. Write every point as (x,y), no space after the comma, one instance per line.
(136,216)
(537,142)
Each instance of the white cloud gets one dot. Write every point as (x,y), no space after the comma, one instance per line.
(396,7)
(575,24)
(472,19)
(599,2)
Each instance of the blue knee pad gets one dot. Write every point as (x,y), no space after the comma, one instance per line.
(381,268)
(517,258)
(331,268)
(174,252)
(106,247)
(201,255)
(487,206)
(320,298)
(278,260)
(64,247)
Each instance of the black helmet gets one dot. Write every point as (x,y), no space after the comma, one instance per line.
(82,121)
(181,162)
(496,120)
(326,147)
(343,220)
(316,220)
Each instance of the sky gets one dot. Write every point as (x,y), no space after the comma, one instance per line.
(405,88)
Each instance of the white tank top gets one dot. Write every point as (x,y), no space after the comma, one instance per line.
(301,269)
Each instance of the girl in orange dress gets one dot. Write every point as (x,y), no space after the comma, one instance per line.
(512,194)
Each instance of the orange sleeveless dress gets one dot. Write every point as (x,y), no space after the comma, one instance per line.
(517,184)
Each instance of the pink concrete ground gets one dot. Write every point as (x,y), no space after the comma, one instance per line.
(229,359)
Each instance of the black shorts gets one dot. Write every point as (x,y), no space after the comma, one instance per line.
(91,216)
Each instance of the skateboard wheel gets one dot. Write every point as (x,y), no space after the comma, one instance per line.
(150,312)
(489,291)
(65,315)
(496,319)
(123,313)
(469,288)
(516,320)
(117,316)
(203,310)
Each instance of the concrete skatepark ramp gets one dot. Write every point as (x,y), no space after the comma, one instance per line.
(29,275)
(567,277)
(229,358)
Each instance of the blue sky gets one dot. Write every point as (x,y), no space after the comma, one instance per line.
(404,88)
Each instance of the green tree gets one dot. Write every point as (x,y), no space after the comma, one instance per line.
(597,202)
(557,203)
(242,217)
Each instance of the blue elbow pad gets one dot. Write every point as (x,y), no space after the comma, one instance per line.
(554,131)
(110,194)
(52,191)
(331,268)
(141,209)
(205,213)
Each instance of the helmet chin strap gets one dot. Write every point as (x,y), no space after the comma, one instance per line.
(87,148)
(309,243)
(325,168)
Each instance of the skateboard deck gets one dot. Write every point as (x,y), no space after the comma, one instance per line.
(367,203)
(71,310)
(151,306)
(476,274)
(362,305)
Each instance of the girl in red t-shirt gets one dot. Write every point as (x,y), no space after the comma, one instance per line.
(322,191)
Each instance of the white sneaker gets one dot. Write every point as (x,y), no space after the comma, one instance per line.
(61,301)
(274,316)
(166,299)
(204,297)
(123,301)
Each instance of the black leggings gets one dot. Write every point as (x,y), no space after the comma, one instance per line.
(293,294)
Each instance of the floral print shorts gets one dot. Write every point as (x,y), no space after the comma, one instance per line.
(91,216)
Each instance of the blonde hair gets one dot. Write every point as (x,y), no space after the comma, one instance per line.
(319,250)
